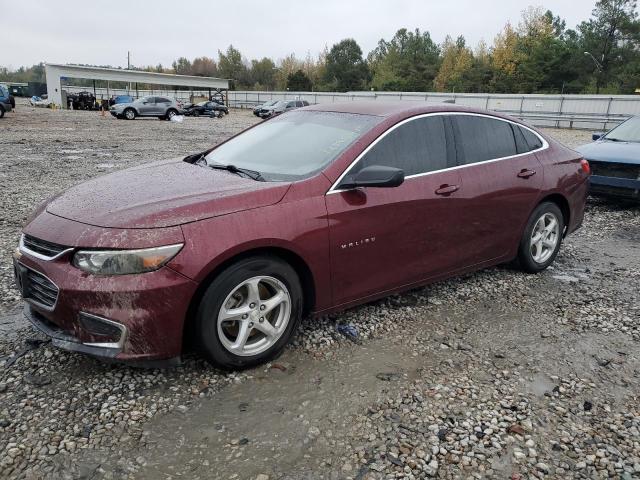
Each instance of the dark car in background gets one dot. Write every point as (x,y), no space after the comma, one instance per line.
(312,212)
(282,106)
(265,105)
(7,103)
(615,161)
(161,107)
(209,108)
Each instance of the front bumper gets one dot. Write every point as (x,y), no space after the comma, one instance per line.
(627,188)
(131,318)
(61,339)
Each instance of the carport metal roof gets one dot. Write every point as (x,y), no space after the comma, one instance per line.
(56,71)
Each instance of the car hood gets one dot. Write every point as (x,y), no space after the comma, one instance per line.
(162,194)
(607,151)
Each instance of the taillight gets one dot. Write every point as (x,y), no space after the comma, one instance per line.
(585,166)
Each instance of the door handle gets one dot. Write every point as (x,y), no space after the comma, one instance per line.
(526,173)
(446,189)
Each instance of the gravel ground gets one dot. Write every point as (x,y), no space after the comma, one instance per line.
(498,374)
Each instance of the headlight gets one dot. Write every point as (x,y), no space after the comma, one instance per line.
(123,262)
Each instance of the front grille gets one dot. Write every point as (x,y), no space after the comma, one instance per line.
(617,170)
(42,247)
(40,289)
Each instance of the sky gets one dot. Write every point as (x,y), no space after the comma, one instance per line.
(101,32)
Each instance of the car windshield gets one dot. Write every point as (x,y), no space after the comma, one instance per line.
(628,131)
(280,104)
(293,146)
(201,104)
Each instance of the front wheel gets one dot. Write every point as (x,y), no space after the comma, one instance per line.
(249,312)
(1,112)
(171,113)
(130,114)
(542,237)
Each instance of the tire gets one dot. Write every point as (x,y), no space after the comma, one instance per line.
(1,111)
(542,238)
(129,114)
(196,113)
(172,112)
(218,329)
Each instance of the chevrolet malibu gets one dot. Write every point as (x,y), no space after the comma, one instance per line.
(311,212)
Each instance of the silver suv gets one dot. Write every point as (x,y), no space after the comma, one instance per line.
(162,107)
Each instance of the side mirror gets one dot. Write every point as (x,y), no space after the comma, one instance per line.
(597,136)
(374,176)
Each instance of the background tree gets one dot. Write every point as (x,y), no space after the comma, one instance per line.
(457,62)
(288,66)
(409,62)
(505,59)
(299,82)
(345,67)
(231,66)
(204,67)
(262,74)
(611,36)
(182,66)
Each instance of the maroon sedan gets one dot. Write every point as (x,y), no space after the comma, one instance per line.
(314,211)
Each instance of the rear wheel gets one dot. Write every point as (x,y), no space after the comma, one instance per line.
(249,312)
(171,113)
(542,237)
(1,111)
(129,114)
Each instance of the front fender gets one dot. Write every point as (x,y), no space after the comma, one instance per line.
(299,227)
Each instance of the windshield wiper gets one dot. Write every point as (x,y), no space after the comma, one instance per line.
(253,174)
(612,139)
(201,160)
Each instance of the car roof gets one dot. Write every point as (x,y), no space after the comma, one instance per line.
(385,108)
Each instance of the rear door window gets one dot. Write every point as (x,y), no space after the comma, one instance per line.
(418,146)
(479,139)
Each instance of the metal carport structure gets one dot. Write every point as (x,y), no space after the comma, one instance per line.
(55,72)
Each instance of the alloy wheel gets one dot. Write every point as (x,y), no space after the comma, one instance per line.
(254,316)
(544,237)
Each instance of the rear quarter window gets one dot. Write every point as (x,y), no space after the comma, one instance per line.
(533,141)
